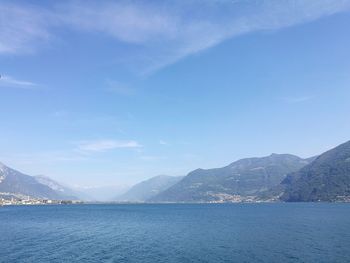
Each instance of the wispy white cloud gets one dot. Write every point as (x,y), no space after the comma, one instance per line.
(60,113)
(300,99)
(162,142)
(174,30)
(23,28)
(161,32)
(134,22)
(7,81)
(105,145)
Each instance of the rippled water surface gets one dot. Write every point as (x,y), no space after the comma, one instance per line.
(176,233)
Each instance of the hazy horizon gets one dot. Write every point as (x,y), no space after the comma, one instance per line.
(94,98)
(120,188)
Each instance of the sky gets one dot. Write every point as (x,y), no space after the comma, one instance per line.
(115,92)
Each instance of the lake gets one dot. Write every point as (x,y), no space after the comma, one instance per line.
(279,232)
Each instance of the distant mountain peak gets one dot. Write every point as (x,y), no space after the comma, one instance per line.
(147,189)
(2,166)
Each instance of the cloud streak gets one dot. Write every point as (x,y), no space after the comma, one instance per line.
(10,82)
(106,145)
(298,99)
(159,32)
(162,142)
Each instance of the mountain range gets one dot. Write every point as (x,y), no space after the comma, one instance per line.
(277,177)
(245,177)
(16,184)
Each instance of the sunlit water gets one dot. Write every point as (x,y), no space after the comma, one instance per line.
(176,233)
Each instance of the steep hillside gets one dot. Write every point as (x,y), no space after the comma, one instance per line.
(246,177)
(57,187)
(14,182)
(327,178)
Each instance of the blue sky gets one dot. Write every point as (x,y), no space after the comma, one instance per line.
(114,92)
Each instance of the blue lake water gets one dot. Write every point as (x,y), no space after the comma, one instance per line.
(300,232)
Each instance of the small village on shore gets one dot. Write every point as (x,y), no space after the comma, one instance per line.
(12,199)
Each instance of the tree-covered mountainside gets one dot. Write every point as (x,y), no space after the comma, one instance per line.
(246,177)
(149,188)
(325,179)
(17,183)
